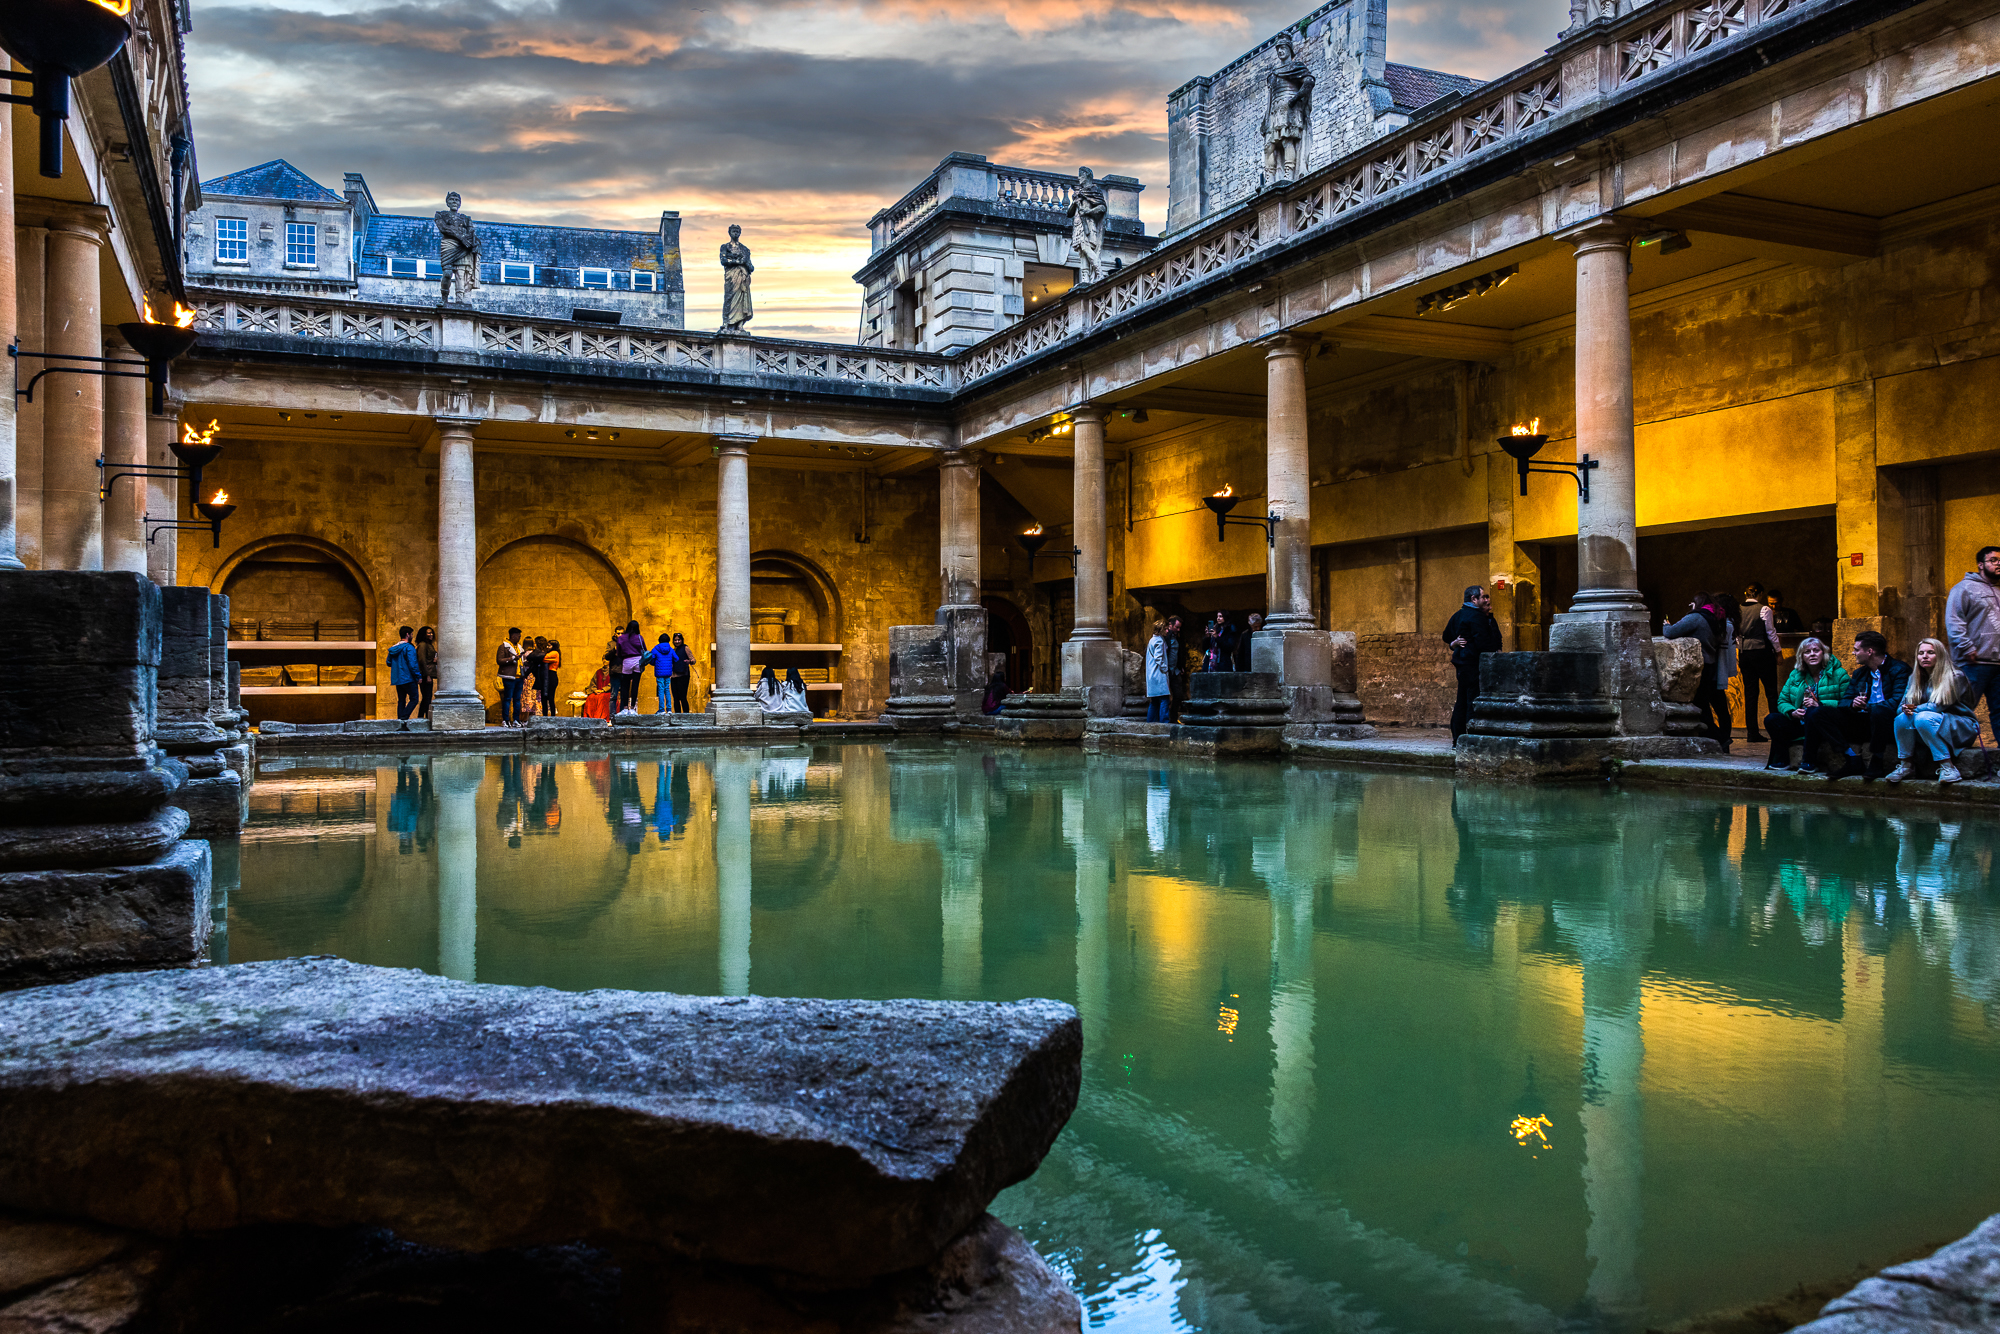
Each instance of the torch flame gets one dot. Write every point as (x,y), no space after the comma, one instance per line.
(119,7)
(189,436)
(1226,490)
(1532,428)
(183,317)
(220,497)
(1036,531)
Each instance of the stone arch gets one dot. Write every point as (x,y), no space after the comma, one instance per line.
(554,587)
(296,577)
(1008,631)
(787,581)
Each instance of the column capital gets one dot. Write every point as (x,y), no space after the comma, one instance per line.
(1606,232)
(961,458)
(1088,412)
(731,442)
(91,222)
(451,422)
(1285,345)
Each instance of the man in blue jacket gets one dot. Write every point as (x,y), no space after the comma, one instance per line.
(663,657)
(404,673)
(1472,633)
(1879,683)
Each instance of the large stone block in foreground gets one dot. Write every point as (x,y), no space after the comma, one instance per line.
(835,1139)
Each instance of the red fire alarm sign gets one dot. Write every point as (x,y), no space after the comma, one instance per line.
(1855,559)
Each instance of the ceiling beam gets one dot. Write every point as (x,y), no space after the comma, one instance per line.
(1795,226)
(1422,338)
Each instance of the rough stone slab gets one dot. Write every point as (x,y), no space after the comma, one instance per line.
(62,923)
(91,678)
(1956,1289)
(77,846)
(836,1139)
(216,807)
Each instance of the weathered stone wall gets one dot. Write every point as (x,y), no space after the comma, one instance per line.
(559,544)
(1405,680)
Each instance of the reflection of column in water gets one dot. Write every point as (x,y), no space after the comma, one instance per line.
(1613,945)
(457,778)
(733,771)
(1093,934)
(226,857)
(962,849)
(1292,995)
(1159,805)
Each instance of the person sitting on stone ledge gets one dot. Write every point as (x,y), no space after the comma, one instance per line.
(770,695)
(996,693)
(1818,682)
(598,699)
(1933,709)
(795,693)
(1879,682)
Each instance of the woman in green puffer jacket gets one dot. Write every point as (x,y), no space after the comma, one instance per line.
(1817,682)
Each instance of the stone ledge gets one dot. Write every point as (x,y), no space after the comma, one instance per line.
(837,1140)
(1726,774)
(56,924)
(1957,1288)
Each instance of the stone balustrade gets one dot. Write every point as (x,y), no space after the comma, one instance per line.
(429,329)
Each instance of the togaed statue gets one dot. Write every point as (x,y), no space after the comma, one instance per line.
(458,252)
(736,271)
(1087,211)
(1288,114)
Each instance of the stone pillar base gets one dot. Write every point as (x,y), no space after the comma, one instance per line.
(1627,674)
(919,713)
(1238,713)
(963,645)
(1042,718)
(1095,667)
(61,923)
(1316,670)
(730,709)
(1539,718)
(457,713)
(216,804)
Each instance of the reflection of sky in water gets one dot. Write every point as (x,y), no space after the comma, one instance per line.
(1751,1045)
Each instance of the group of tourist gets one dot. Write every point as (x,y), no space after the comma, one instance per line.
(413,670)
(1886,702)
(1173,654)
(614,691)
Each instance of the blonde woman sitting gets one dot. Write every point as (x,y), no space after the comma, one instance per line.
(1932,712)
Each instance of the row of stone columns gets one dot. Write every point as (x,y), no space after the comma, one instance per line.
(458,705)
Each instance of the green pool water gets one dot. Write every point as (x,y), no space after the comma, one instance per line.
(1362,1051)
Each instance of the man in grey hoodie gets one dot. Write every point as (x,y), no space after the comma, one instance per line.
(1972,628)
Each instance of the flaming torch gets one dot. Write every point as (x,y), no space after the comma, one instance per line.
(59,40)
(159,343)
(196,450)
(1033,541)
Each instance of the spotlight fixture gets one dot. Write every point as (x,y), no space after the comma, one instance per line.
(1445,298)
(1670,241)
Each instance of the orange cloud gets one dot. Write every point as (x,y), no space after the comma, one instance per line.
(1047,15)
(598,45)
(1049,143)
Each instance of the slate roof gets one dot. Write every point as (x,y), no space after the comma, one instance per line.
(1415,88)
(390,234)
(276,179)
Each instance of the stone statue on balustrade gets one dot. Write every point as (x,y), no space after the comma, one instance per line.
(458,253)
(1087,211)
(1287,114)
(736,271)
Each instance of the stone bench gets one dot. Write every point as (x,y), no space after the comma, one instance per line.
(835,1140)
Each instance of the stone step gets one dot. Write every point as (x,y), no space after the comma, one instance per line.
(840,1140)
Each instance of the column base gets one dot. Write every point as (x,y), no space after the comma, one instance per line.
(735,708)
(1057,717)
(1628,675)
(1315,669)
(64,924)
(1096,667)
(1606,604)
(458,711)
(963,644)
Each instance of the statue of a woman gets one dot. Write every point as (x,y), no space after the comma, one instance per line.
(736,271)
(1087,211)
(1288,113)
(458,252)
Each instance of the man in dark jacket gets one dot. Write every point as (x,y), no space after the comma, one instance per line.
(1879,683)
(1176,668)
(1471,632)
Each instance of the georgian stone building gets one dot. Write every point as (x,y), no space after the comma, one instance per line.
(271,228)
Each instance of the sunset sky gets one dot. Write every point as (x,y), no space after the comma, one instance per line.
(797,120)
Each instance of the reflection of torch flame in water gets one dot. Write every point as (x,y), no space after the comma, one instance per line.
(1532,428)
(1227,490)
(189,436)
(1531,1132)
(1036,531)
(183,316)
(219,498)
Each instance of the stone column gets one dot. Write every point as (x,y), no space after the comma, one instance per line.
(1288,487)
(731,793)
(730,698)
(30,292)
(458,705)
(1607,537)
(1314,669)
(1092,661)
(124,447)
(186,728)
(9,557)
(73,420)
(163,500)
(1608,617)
(962,618)
(458,779)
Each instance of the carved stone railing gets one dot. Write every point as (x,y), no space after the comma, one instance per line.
(564,342)
(970,177)
(1033,189)
(914,206)
(1592,64)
